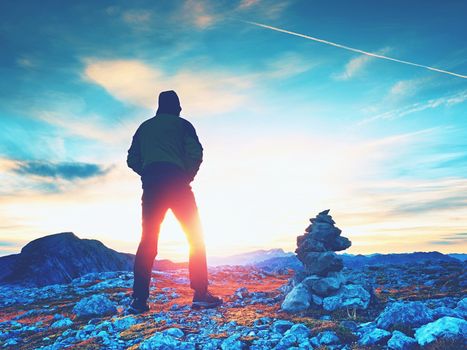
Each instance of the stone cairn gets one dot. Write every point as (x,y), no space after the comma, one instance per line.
(322,283)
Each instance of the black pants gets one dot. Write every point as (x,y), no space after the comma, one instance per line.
(165,186)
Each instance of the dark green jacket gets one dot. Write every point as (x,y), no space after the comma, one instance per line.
(166,138)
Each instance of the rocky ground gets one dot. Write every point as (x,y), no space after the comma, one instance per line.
(413,306)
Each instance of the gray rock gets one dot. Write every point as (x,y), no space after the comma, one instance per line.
(462,307)
(400,341)
(64,322)
(316,299)
(444,328)
(324,232)
(286,342)
(299,331)
(95,305)
(339,243)
(281,326)
(233,343)
(308,244)
(412,314)
(322,263)
(160,341)
(349,296)
(121,324)
(297,300)
(310,280)
(374,336)
(325,286)
(351,325)
(327,338)
(442,311)
(174,332)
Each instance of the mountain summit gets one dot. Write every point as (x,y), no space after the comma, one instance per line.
(59,258)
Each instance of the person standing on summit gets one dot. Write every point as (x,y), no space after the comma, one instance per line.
(167,154)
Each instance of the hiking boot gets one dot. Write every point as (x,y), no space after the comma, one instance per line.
(205,300)
(138,306)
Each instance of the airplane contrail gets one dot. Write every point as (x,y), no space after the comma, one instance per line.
(355,50)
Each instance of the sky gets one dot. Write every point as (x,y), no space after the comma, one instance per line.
(289,126)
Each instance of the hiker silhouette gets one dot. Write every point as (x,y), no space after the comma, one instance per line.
(166,153)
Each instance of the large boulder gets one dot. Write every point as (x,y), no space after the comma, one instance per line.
(97,305)
(325,286)
(299,331)
(462,307)
(324,232)
(374,336)
(322,263)
(327,338)
(297,300)
(340,243)
(281,326)
(349,296)
(442,311)
(400,341)
(308,244)
(165,342)
(447,327)
(412,314)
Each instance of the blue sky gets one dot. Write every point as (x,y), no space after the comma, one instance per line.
(290,126)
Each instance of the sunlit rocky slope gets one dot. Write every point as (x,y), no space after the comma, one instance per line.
(413,305)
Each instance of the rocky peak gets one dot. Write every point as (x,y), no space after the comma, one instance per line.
(50,243)
(58,258)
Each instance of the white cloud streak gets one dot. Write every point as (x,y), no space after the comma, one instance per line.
(348,48)
(356,65)
(446,101)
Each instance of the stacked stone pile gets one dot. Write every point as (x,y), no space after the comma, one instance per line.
(323,284)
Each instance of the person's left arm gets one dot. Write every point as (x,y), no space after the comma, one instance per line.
(134,160)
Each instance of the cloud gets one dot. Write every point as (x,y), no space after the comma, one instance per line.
(28,178)
(262,8)
(66,170)
(452,239)
(445,101)
(26,62)
(273,10)
(244,4)
(196,13)
(287,65)
(356,65)
(92,127)
(353,66)
(404,88)
(202,92)
(448,202)
(137,17)
(134,82)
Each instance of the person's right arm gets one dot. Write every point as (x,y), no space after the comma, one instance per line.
(134,160)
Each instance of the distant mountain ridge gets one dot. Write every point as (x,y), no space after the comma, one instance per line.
(61,257)
(358,261)
(458,256)
(249,258)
